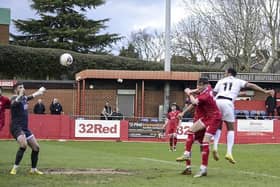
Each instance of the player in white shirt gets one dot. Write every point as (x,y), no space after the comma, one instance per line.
(227,90)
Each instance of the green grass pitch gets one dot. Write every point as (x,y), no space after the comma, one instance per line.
(148,164)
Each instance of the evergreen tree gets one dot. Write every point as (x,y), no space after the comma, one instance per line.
(130,51)
(63,24)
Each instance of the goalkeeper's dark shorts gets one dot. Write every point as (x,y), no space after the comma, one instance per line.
(16,131)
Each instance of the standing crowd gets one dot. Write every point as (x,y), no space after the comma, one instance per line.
(55,107)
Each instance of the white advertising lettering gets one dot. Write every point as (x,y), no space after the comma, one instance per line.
(182,130)
(255,125)
(6,83)
(97,128)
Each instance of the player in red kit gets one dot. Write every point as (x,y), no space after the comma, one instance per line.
(171,125)
(199,135)
(207,117)
(4,103)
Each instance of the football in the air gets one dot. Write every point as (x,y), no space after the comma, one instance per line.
(66,59)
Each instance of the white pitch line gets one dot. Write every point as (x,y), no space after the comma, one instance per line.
(237,171)
(156,160)
(259,174)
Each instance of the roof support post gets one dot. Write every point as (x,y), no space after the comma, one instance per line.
(143,98)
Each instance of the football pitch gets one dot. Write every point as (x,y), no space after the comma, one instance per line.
(123,164)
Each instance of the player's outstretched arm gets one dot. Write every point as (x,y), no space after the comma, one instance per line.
(189,91)
(242,93)
(257,88)
(165,123)
(40,91)
(193,100)
(189,108)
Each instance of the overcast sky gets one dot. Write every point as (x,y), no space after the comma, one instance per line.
(125,15)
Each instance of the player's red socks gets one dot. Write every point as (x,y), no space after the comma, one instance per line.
(188,163)
(205,153)
(171,141)
(175,141)
(190,141)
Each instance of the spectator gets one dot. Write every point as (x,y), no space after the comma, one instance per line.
(106,112)
(241,114)
(4,104)
(188,116)
(39,107)
(56,107)
(116,115)
(278,111)
(259,115)
(270,105)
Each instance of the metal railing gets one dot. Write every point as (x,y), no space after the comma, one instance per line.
(244,114)
(252,77)
(152,127)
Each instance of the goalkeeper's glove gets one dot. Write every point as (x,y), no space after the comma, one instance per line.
(39,92)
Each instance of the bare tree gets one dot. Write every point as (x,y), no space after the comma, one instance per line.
(271,12)
(148,45)
(235,29)
(191,39)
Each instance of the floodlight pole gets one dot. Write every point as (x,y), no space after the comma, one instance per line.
(167,53)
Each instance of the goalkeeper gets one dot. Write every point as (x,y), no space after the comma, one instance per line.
(19,127)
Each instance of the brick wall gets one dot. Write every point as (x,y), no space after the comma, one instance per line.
(177,97)
(259,96)
(4,34)
(95,100)
(107,91)
(66,97)
(153,98)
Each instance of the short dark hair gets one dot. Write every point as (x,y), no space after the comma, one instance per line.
(17,84)
(232,71)
(203,80)
(173,104)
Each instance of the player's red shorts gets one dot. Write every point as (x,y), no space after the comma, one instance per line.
(171,128)
(2,122)
(199,135)
(211,124)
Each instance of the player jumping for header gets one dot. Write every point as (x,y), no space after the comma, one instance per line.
(207,117)
(226,91)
